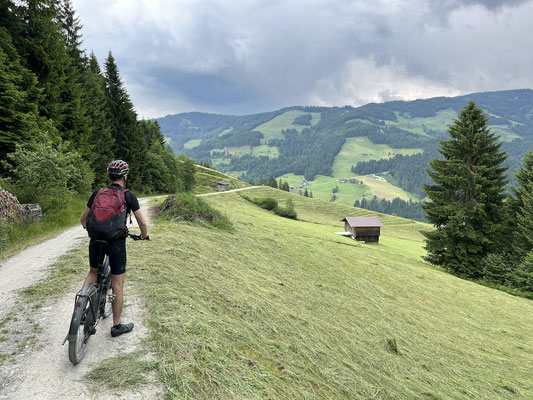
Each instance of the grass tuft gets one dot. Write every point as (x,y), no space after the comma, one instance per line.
(127,371)
(189,208)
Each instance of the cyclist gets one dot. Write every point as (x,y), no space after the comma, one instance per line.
(118,174)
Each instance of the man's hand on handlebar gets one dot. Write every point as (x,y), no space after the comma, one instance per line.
(138,237)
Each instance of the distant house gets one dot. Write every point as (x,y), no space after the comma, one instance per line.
(291,188)
(363,229)
(342,181)
(366,154)
(221,185)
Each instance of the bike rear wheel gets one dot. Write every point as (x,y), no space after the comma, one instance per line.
(81,329)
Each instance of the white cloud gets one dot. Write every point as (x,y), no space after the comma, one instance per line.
(362,81)
(269,54)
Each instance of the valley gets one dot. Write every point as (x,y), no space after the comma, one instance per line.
(389,145)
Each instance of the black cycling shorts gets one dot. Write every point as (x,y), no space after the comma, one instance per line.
(117,255)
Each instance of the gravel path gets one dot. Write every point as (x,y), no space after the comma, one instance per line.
(43,370)
(228,191)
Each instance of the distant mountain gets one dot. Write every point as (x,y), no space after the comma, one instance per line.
(384,148)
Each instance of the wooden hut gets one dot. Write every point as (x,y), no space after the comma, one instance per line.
(363,229)
(221,185)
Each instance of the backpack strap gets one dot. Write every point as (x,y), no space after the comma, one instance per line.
(129,211)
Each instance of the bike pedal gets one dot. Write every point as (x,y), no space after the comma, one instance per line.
(92,331)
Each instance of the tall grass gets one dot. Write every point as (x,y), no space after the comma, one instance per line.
(15,236)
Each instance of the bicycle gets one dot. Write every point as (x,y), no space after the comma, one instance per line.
(92,302)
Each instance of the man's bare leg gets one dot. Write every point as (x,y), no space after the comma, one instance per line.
(92,276)
(117,283)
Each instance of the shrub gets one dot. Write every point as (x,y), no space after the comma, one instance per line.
(48,175)
(187,207)
(288,211)
(268,203)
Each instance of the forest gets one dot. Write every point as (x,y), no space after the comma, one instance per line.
(312,151)
(64,117)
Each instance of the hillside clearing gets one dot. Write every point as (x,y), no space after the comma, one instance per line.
(287,309)
(272,129)
(358,149)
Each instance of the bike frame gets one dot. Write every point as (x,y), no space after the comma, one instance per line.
(93,293)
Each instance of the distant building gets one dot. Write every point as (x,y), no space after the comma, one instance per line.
(291,188)
(221,185)
(363,229)
(342,181)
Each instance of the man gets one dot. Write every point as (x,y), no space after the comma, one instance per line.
(116,249)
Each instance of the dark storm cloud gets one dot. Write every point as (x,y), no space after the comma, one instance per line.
(245,56)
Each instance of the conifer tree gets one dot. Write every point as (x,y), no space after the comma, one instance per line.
(18,98)
(42,46)
(101,141)
(71,27)
(523,208)
(465,201)
(129,139)
(272,182)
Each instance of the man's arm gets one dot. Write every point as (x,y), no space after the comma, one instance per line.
(142,223)
(83,217)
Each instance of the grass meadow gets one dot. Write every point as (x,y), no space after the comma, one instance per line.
(416,125)
(351,153)
(281,309)
(206,180)
(272,129)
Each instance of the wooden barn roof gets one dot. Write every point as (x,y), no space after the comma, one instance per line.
(362,222)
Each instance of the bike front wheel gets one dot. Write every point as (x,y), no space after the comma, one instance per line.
(81,327)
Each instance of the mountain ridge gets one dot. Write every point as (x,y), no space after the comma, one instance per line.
(308,142)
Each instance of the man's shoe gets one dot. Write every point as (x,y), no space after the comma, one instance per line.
(119,329)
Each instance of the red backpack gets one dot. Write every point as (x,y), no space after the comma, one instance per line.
(107,216)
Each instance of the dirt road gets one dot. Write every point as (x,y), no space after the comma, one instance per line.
(42,369)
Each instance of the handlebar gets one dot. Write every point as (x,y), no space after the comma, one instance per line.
(138,237)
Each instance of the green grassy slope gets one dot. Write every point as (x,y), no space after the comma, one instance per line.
(206,180)
(283,309)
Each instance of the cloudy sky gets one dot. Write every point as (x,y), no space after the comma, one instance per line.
(246,56)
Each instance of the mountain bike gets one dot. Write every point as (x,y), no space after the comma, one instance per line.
(92,302)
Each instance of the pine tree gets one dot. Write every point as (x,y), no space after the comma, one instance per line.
(188,174)
(523,209)
(18,98)
(465,201)
(129,138)
(272,182)
(71,27)
(42,46)
(101,141)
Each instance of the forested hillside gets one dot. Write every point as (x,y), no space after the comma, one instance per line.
(63,119)
(386,147)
